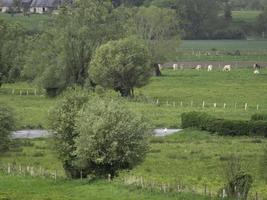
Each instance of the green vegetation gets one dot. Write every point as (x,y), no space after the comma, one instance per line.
(24,188)
(249,16)
(7,124)
(121,65)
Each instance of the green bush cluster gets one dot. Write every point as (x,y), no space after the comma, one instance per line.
(6,126)
(206,122)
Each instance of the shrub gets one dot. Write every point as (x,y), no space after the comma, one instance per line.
(62,122)
(7,124)
(110,138)
(209,123)
(259,116)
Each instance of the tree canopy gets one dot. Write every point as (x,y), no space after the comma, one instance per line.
(121,65)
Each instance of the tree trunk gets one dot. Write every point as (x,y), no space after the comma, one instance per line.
(157,69)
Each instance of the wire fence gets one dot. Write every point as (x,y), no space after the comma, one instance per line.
(22,91)
(134,181)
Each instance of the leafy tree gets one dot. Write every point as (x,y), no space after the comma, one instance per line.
(121,65)
(158,28)
(12,45)
(110,137)
(7,124)
(62,121)
(68,46)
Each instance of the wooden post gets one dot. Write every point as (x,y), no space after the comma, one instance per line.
(246,106)
(13,91)
(258,106)
(20,92)
(191,103)
(35,92)
(205,190)
(56,175)
(215,105)
(181,104)
(157,102)
(203,104)
(8,169)
(27,92)
(20,169)
(81,175)
(109,178)
(224,105)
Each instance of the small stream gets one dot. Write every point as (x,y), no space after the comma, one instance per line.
(31,134)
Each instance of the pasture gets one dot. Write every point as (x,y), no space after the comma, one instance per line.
(176,91)
(191,158)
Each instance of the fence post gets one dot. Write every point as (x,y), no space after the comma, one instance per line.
(215,105)
(157,102)
(181,104)
(258,106)
(246,106)
(20,92)
(8,168)
(203,104)
(35,92)
(13,91)
(56,175)
(191,103)
(224,105)
(81,175)
(27,92)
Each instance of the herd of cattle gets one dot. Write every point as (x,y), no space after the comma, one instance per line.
(226,68)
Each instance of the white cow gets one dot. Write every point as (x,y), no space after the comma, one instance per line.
(175,66)
(198,67)
(210,67)
(160,66)
(256,71)
(227,68)
(256,66)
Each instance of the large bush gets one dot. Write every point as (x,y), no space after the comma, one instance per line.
(203,121)
(7,124)
(110,138)
(62,123)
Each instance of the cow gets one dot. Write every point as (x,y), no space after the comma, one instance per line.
(210,68)
(175,66)
(256,66)
(198,67)
(160,66)
(227,68)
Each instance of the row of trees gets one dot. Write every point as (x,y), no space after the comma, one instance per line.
(70,51)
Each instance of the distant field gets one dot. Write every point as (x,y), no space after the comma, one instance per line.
(222,50)
(246,16)
(32,23)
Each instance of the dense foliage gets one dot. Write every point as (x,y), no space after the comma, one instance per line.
(110,137)
(12,45)
(121,65)
(7,124)
(63,124)
(97,136)
(207,122)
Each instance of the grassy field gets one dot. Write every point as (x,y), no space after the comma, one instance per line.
(190,158)
(32,23)
(236,88)
(25,188)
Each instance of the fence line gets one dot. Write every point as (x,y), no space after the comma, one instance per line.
(22,92)
(140,182)
(205,104)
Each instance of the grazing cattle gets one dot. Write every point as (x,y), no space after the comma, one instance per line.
(210,68)
(198,67)
(160,66)
(175,66)
(227,68)
(256,71)
(256,66)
